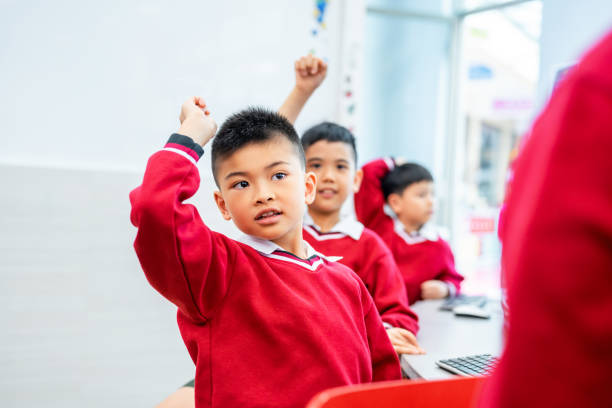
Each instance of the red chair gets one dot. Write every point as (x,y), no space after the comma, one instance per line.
(452,393)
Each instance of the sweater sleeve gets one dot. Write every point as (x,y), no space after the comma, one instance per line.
(449,274)
(385,362)
(370,200)
(386,285)
(181,257)
(557,254)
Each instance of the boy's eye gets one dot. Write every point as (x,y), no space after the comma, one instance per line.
(342,167)
(241,184)
(315,166)
(279,176)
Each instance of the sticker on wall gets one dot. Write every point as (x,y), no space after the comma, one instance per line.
(349,102)
(319,12)
(319,33)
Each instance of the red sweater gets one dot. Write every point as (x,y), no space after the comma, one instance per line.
(557,251)
(264,328)
(365,253)
(419,257)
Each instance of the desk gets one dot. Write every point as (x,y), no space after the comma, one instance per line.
(444,335)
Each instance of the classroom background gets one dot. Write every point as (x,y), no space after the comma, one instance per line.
(91,89)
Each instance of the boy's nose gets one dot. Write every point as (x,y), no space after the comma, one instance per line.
(264,196)
(328,175)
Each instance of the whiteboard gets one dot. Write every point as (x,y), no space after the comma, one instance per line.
(98,84)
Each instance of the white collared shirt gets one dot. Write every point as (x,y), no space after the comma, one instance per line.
(428,232)
(347,226)
(268,248)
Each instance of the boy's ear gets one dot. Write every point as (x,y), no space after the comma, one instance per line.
(394,201)
(311,187)
(357,180)
(222,206)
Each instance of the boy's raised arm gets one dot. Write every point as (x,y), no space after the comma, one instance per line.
(370,200)
(310,72)
(178,253)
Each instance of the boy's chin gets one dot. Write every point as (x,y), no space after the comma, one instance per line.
(272,233)
(328,210)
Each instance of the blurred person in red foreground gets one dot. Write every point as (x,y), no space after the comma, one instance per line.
(557,252)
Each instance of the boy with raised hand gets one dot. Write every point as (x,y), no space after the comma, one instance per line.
(266,319)
(331,154)
(396,201)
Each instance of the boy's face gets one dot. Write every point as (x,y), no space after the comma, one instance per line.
(264,189)
(414,207)
(334,165)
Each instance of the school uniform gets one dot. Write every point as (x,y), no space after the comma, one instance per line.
(557,251)
(264,327)
(420,256)
(364,252)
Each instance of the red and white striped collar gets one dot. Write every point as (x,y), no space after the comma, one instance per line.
(271,250)
(347,226)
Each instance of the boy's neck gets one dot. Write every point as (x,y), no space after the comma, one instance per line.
(293,242)
(325,221)
(411,227)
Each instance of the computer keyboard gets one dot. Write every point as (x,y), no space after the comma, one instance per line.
(461,300)
(470,366)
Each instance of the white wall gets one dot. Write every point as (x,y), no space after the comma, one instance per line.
(569,28)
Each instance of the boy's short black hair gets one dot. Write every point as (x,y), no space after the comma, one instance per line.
(330,132)
(402,176)
(252,125)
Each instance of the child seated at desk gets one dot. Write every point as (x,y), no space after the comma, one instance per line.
(396,201)
(266,319)
(331,154)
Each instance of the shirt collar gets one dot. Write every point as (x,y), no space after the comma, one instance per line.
(428,232)
(268,247)
(347,225)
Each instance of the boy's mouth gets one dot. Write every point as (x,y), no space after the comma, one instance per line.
(268,216)
(327,192)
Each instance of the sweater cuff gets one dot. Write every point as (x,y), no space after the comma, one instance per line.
(452,289)
(390,162)
(184,144)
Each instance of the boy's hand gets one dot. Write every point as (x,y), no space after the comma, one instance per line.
(310,71)
(434,289)
(403,341)
(196,121)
